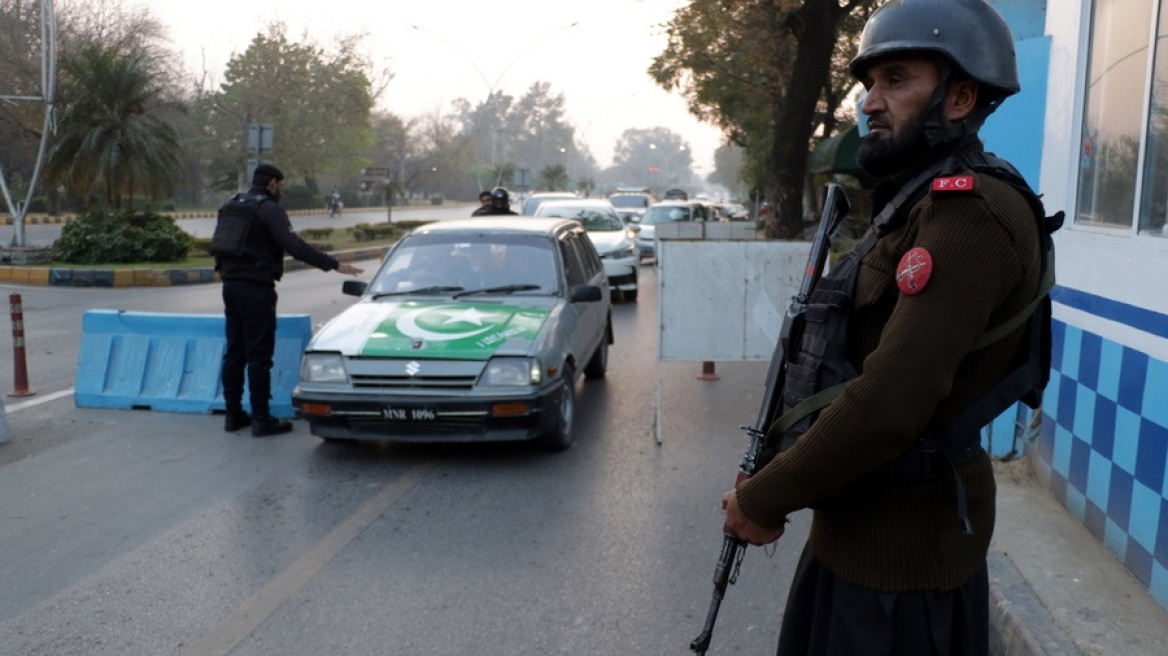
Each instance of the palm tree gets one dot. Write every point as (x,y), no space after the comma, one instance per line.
(113,143)
(554,177)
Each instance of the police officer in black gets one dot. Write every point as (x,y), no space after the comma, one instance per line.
(249,273)
(931,326)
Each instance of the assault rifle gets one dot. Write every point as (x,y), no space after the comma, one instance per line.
(835,208)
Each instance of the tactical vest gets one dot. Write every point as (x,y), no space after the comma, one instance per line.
(818,372)
(234,225)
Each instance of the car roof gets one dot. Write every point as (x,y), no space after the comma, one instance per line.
(499,224)
(558,194)
(679,203)
(578,202)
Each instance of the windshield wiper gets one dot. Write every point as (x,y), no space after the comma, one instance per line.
(437,289)
(503,289)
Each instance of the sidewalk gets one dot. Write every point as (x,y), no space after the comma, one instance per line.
(1054,589)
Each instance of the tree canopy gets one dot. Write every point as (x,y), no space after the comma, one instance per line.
(318,102)
(767,73)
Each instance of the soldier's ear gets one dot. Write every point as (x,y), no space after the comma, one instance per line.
(960,100)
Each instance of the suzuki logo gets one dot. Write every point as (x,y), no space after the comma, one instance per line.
(413,368)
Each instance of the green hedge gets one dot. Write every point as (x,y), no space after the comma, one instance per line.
(121,237)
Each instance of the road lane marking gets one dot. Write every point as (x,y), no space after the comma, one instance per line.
(37,401)
(268,599)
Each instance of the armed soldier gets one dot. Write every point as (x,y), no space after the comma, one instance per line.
(936,322)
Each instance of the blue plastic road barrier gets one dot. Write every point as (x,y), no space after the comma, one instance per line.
(171,362)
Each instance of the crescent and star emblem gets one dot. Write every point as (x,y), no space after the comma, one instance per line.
(455,316)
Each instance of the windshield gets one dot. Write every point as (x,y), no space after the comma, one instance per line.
(447,264)
(532,204)
(594,219)
(660,214)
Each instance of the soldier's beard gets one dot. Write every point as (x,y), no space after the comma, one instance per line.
(883,156)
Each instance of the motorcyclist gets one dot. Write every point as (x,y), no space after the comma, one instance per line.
(334,203)
(500,203)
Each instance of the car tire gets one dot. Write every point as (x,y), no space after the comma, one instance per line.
(560,437)
(598,364)
(630,295)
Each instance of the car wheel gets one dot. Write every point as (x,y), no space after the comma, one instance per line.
(560,436)
(598,365)
(630,295)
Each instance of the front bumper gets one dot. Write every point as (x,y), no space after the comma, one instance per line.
(400,418)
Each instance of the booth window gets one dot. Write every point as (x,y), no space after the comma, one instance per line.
(1114,112)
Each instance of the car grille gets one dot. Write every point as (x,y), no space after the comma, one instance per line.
(414,382)
(413,374)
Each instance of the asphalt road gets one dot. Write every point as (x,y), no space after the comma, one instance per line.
(139,532)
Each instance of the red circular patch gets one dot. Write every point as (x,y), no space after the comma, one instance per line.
(914,271)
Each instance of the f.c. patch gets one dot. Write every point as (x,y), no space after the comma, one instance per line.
(955,183)
(914,271)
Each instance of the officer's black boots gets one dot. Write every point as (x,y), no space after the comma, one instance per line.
(236,420)
(265,426)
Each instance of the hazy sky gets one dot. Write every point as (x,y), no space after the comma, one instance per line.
(464,48)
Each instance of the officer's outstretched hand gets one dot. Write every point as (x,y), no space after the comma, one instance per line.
(740,526)
(345,267)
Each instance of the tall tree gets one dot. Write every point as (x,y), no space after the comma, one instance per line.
(657,158)
(318,102)
(762,71)
(113,145)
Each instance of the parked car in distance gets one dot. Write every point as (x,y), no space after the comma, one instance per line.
(613,240)
(630,205)
(532,202)
(732,212)
(471,330)
(668,211)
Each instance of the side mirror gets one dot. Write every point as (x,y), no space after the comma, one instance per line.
(354,287)
(585,294)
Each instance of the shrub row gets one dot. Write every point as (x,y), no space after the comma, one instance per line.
(121,237)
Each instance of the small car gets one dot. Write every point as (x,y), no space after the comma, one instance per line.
(471,330)
(667,212)
(630,205)
(531,203)
(613,241)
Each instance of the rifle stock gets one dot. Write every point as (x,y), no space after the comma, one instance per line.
(835,207)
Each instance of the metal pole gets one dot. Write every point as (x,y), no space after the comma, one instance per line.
(20,367)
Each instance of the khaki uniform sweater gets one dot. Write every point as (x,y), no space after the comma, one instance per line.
(916,372)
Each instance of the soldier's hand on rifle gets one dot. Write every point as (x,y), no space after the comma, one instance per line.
(740,526)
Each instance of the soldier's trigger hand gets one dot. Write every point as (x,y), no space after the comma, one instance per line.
(740,526)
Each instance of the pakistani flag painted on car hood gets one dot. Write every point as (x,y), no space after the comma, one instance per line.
(428,329)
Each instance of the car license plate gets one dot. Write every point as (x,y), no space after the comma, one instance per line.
(409,414)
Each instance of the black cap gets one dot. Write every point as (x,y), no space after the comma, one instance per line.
(265,173)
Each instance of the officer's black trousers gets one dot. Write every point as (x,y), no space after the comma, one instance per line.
(250,309)
(826,616)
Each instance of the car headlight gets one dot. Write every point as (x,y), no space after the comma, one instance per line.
(323,368)
(512,372)
(625,251)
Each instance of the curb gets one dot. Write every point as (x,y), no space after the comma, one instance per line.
(1020,625)
(42,219)
(69,277)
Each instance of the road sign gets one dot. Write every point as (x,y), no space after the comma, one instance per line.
(259,137)
(375,173)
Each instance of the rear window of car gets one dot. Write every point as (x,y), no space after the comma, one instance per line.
(593,219)
(629,200)
(665,215)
